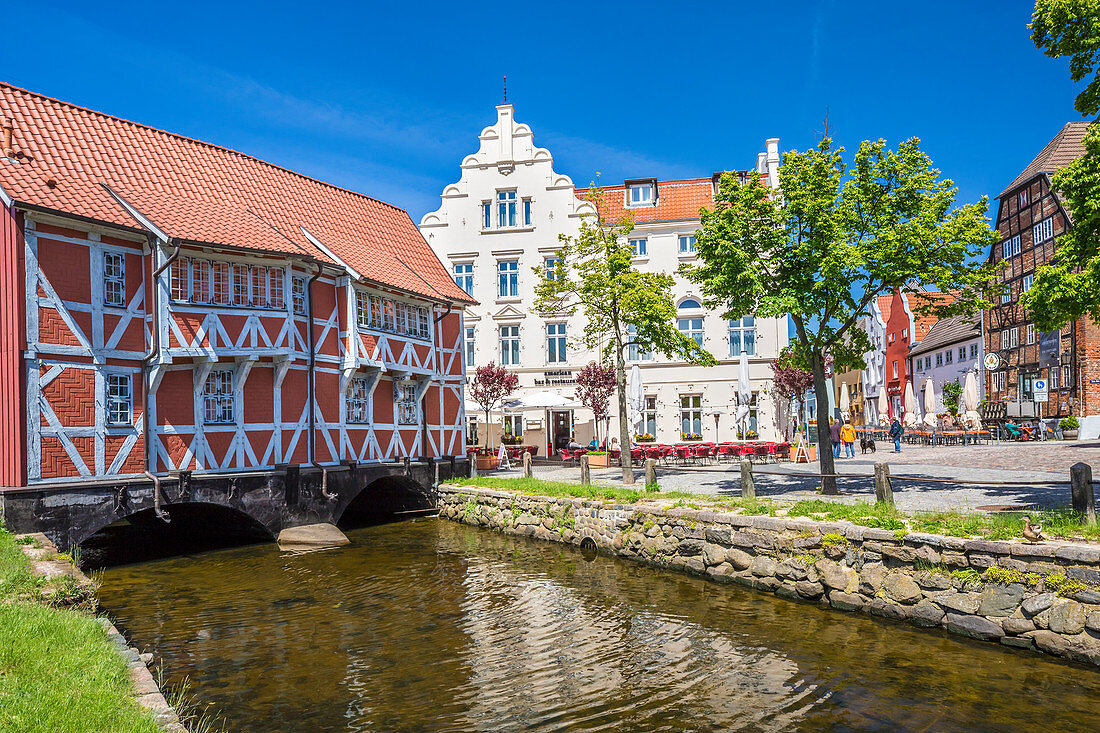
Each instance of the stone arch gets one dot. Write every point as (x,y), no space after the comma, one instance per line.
(385,498)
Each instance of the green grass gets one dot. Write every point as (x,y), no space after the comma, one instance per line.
(860,512)
(58,670)
(539,487)
(1003,525)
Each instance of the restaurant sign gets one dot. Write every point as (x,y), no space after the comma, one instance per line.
(555,376)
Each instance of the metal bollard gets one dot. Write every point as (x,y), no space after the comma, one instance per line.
(1084,499)
(586,472)
(472,460)
(527,472)
(650,472)
(884,494)
(748,488)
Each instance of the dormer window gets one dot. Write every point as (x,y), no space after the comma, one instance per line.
(641,192)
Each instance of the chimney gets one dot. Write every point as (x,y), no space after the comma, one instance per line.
(8,152)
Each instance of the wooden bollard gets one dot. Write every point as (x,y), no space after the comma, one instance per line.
(884,494)
(748,488)
(650,472)
(471,458)
(586,472)
(527,472)
(1083,497)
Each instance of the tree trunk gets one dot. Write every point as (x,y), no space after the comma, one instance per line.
(824,439)
(486,430)
(624,425)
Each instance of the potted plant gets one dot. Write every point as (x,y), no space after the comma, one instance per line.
(747,435)
(644,438)
(597,458)
(690,436)
(1069,426)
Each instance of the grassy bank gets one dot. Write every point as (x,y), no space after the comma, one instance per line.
(58,671)
(1061,523)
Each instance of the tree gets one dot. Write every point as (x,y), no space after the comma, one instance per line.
(622,306)
(823,247)
(1069,287)
(790,383)
(952,392)
(595,385)
(491,386)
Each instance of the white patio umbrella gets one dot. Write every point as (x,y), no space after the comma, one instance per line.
(883,406)
(930,418)
(845,403)
(744,393)
(910,417)
(635,399)
(971,417)
(542,401)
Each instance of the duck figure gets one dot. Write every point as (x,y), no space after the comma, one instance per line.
(1032,532)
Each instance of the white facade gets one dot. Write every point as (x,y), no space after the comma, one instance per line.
(874,373)
(501,221)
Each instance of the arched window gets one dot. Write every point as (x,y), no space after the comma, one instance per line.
(689,304)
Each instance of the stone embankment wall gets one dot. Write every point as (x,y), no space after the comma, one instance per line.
(1044,597)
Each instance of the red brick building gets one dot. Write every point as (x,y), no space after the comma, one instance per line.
(905,327)
(1030,218)
(173,305)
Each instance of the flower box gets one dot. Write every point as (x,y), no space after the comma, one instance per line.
(597,459)
(487,463)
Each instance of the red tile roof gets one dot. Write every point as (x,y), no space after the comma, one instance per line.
(203,193)
(676,200)
(1065,148)
(885,301)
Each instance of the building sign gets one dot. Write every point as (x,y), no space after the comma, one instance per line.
(992,361)
(555,376)
(1039,390)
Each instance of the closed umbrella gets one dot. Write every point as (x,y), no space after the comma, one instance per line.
(911,417)
(744,394)
(971,417)
(930,403)
(883,406)
(635,399)
(845,403)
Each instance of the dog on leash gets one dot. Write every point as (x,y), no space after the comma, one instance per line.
(866,444)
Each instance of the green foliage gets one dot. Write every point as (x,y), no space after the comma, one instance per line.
(652,488)
(860,512)
(952,392)
(833,240)
(966,575)
(1072,28)
(1068,289)
(1069,422)
(833,540)
(471,509)
(1063,586)
(994,574)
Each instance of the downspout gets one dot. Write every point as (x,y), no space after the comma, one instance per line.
(153,353)
(311,443)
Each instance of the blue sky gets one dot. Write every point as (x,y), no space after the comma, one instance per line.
(387,99)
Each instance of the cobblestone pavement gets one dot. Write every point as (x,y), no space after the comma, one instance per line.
(1034,464)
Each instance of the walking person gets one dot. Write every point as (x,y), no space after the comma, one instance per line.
(848,435)
(834,436)
(895,434)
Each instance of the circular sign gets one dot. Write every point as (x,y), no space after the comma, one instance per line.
(1040,385)
(992,361)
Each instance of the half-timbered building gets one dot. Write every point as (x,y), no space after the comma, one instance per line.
(1030,218)
(174,306)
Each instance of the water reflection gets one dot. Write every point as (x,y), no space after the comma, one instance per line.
(433,626)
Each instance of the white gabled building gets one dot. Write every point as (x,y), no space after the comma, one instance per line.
(502,219)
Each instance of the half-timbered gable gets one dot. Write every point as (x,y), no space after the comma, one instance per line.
(1030,218)
(175,306)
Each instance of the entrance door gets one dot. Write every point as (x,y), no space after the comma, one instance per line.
(561,429)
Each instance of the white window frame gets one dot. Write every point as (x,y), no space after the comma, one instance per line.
(298,294)
(1042,231)
(649,415)
(556,343)
(693,327)
(948,356)
(219,402)
(357,402)
(1027,283)
(691,409)
(686,243)
(510,352)
(742,332)
(1029,333)
(640,194)
(114,279)
(406,407)
(633,350)
(507,279)
(506,208)
(639,245)
(464,276)
(528,213)
(119,398)
(471,340)
(550,266)
(362,309)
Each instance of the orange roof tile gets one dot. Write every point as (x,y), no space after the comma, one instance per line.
(676,200)
(203,193)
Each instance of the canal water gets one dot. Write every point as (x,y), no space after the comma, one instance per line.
(429,625)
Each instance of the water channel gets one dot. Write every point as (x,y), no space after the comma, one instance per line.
(432,626)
